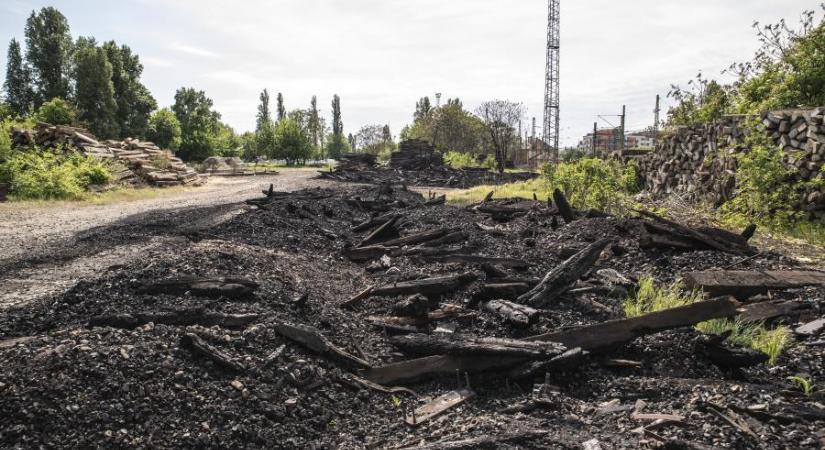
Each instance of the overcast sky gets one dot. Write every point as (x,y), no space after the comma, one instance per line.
(380,56)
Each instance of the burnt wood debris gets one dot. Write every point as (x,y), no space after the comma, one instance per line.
(374,317)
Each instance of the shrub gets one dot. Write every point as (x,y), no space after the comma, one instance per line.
(56,112)
(164,129)
(47,175)
(594,183)
(458,160)
(5,142)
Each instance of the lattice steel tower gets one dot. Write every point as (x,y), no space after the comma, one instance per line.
(551,82)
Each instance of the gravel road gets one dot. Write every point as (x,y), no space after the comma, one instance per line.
(46,248)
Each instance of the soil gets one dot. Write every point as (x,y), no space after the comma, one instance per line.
(64,384)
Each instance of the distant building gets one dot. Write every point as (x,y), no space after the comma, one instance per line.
(607,141)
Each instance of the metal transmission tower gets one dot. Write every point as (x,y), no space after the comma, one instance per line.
(551,81)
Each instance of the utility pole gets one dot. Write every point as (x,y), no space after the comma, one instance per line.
(621,127)
(595,131)
(656,123)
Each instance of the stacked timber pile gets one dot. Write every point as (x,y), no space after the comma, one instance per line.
(356,161)
(416,154)
(700,161)
(139,161)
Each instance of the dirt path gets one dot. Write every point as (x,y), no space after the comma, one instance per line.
(47,248)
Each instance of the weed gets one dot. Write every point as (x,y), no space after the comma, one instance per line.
(651,298)
(396,402)
(804,383)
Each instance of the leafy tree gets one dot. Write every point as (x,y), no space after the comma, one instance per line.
(226,142)
(264,116)
(422,108)
(281,108)
(336,144)
(56,112)
(5,112)
(315,131)
(703,101)
(500,118)
(18,82)
(164,129)
(450,128)
(292,143)
(134,101)
(48,52)
(372,138)
(95,93)
(249,147)
(198,123)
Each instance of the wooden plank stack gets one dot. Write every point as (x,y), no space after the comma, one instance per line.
(139,161)
(699,162)
(416,154)
(356,161)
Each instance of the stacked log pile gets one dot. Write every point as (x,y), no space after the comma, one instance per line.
(416,154)
(699,162)
(139,161)
(356,161)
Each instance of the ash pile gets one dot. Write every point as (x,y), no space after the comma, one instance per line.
(377,318)
(136,162)
(416,163)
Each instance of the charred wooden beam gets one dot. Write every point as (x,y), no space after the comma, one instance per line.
(198,346)
(451,238)
(427,286)
(385,232)
(312,339)
(567,213)
(187,317)
(201,287)
(418,238)
(514,263)
(607,335)
(368,253)
(431,366)
(495,291)
(746,283)
(424,345)
(564,276)
(518,315)
(372,223)
(567,360)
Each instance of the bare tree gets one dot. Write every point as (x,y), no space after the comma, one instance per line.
(500,117)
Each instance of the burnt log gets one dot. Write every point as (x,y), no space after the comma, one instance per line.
(746,283)
(426,286)
(567,360)
(451,238)
(495,291)
(683,236)
(197,316)
(202,287)
(424,345)
(418,238)
(312,339)
(565,211)
(513,313)
(613,333)
(482,260)
(198,346)
(385,232)
(412,306)
(368,253)
(432,366)
(372,223)
(563,277)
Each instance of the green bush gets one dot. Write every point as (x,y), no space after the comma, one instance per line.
(56,112)
(594,183)
(47,175)
(458,160)
(5,142)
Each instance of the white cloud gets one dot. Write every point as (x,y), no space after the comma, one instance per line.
(183,48)
(155,62)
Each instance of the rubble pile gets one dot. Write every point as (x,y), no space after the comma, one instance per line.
(372,317)
(140,161)
(356,161)
(700,161)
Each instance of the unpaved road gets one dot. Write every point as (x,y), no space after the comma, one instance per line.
(47,248)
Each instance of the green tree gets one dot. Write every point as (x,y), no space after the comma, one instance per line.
(265,144)
(281,107)
(134,101)
(226,142)
(198,123)
(315,130)
(264,116)
(18,82)
(337,145)
(48,52)
(56,112)
(422,108)
(164,129)
(95,93)
(373,138)
(292,142)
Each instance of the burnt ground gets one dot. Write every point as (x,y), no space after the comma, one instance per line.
(64,384)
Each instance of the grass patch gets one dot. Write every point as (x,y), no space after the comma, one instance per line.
(810,232)
(587,184)
(118,195)
(651,298)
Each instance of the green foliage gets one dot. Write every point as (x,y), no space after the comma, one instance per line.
(704,101)
(134,101)
(5,141)
(804,384)
(458,160)
(95,92)
(164,129)
(17,86)
(448,128)
(56,112)
(226,142)
(650,298)
(51,175)
(292,143)
(48,52)
(199,124)
(594,183)
(337,144)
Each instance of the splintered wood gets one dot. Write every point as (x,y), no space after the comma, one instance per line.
(439,406)
(746,283)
